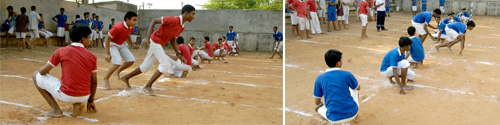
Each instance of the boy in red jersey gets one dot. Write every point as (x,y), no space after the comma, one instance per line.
(218,51)
(79,75)
(208,54)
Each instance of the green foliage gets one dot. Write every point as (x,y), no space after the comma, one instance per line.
(244,4)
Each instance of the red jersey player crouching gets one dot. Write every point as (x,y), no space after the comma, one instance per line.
(171,27)
(79,75)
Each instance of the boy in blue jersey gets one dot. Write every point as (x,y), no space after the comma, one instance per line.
(414,7)
(231,40)
(395,65)
(441,5)
(93,25)
(331,13)
(99,32)
(440,35)
(134,34)
(455,18)
(61,24)
(464,16)
(421,21)
(340,89)
(43,32)
(112,23)
(416,55)
(278,38)
(85,19)
(456,33)
(424,5)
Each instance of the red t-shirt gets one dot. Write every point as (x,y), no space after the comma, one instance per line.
(77,64)
(216,46)
(185,53)
(191,49)
(169,29)
(120,32)
(225,45)
(291,1)
(370,3)
(312,5)
(362,7)
(208,49)
(301,7)
(66,27)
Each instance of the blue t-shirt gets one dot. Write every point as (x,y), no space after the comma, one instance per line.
(78,21)
(110,25)
(40,25)
(424,1)
(61,20)
(441,2)
(417,49)
(136,30)
(277,36)
(414,2)
(85,21)
(446,21)
(334,85)
(457,26)
(463,14)
(99,24)
(94,22)
(456,19)
(330,7)
(442,25)
(423,17)
(391,59)
(231,36)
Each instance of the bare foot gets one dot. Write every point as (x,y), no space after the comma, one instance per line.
(409,80)
(126,83)
(308,37)
(106,83)
(77,109)
(437,48)
(356,119)
(363,37)
(346,28)
(449,47)
(54,114)
(402,92)
(148,91)
(366,36)
(407,87)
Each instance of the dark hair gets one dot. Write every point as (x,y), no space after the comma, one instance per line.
(224,37)
(449,14)
(404,41)
(129,15)
(93,14)
(453,13)
(61,9)
(180,40)
(33,7)
(220,39)
(187,8)
(230,26)
(77,16)
(192,38)
(332,56)
(23,10)
(78,32)
(275,27)
(40,14)
(96,16)
(411,30)
(464,8)
(86,13)
(471,23)
(207,38)
(112,19)
(10,8)
(437,11)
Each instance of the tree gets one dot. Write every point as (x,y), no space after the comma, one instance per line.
(244,4)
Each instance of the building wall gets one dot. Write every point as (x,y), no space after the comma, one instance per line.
(481,7)
(255,27)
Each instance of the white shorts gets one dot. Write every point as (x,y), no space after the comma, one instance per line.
(340,17)
(60,31)
(232,44)
(100,36)
(204,55)
(156,52)
(52,85)
(195,52)
(93,36)
(45,33)
(194,62)
(441,8)
(322,110)
(294,19)
(277,47)
(322,12)
(118,52)
(371,12)
(216,52)
(66,34)
(464,19)
(364,19)
(414,8)
(34,33)
(133,38)
(451,34)
(20,34)
(304,23)
(410,59)
(11,30)
(436,35)
(178,68)
(419,27)
(401,64)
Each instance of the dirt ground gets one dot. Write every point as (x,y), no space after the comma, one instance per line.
(449,89)
(240,90)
